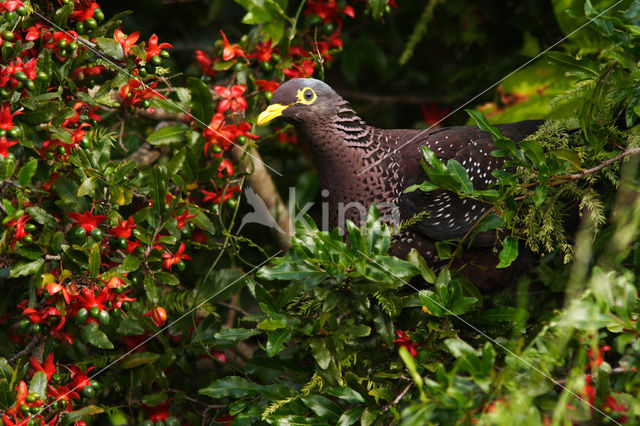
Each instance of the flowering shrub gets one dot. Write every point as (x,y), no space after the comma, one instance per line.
(129,298)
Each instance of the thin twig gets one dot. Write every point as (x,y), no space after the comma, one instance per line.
(397,399)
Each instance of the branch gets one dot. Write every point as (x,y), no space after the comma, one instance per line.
(27,349)
(260,180)
(628,152)
(397,399)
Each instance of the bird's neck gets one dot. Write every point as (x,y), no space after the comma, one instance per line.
(352,165)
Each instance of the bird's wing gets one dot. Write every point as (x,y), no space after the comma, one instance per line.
(447,216)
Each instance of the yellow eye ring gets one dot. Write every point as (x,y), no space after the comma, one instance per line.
(306,96)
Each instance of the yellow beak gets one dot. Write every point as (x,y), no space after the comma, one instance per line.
(272,111)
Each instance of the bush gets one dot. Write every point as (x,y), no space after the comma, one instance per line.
(130,298)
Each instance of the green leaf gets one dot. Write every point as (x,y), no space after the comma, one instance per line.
(276,340)
(168,135)
(94,261)
(7,395)
(320,352)
(151,289)
(270,325)
(411,365)
(87,186)
(22,269)
(41,216)
(236,334)
(233,386)
(460,174)
(139,358)
(202,107)
(482,123)
(509,251)
(166,278)
(383,325)
(351,416)
(97,338)
(38,383)
(323,407)
(6,372)
(27,172)
(158,189)
(82,413)
(110,47)
(130,263)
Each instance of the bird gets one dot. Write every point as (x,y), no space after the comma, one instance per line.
(260,213)
(359,164)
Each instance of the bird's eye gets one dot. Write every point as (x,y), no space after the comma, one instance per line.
(308,95)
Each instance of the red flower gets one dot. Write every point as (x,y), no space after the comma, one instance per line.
(218,196)
(611,404)
(83,10)
(172,259)
(219,134)
(6,118)
(10,5)
(263,51)
(404,341)
(124,228)
(302,70)
(225,169)
(34,32)
(182,219)
(589,390)
(267,85)
(230,51)
(596,362)
(86,72)
(232,98)
(328,10)
(5,145)
(158,412)
(49,367)
(80,378)
(134,92)
(158,315)
(20,224)
(53,288)
(87,220)
(154,48)
(126,41)
(206,62)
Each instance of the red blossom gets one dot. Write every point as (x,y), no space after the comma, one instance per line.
(10,5)
(49,367)
(220,195)
(230,51)
(613,405)
(158,412)
(172,259)
(86,72)
(20,227)
(153,48)
(232,98)
(6,118)
(184,217)
(328,10)
(263,51)
(134,92)
(35,31)
(83,10)
(206,62)
(225,169)
(126,41)
(432,115)
(301,70)
(404,341)
(54,288)
(5,145)
(124,228)
(80,378)
(87,220)
(267,85)
(596,361)
(219,134)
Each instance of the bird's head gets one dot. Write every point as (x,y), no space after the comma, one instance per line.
(300,101)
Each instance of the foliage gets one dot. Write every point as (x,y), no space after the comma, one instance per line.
(129,298)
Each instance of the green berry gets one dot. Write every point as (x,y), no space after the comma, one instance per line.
(24,408)
(275,58)
(42,76)
(266,66)
(181,266)
(15,132)
(7,35)
(7,45)
(185,232)
(242,139)
(80,27)
(30,227)
(20,76)
(24,324)
(84,143)
(28,238)
(122,243)
(96,234)
(22,11)
(54,405)
(315,20)
(95,384)
(34,410)
(36,328)
(156,60)
(81,316)
(147,423)
(49,155)
(143,72)
(146,103)
(94,312)
(30,85)
(268,95)
(73,46)
(216,149)
(164,54)
(104,318)
(31,398)
(62,150)
(62,44)
(328,28)
(98,14)
(78,233)
(88,392)
(139,251)
(91,23)
(232,203)
(172,421)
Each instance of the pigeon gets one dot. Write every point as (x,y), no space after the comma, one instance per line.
(359,165)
